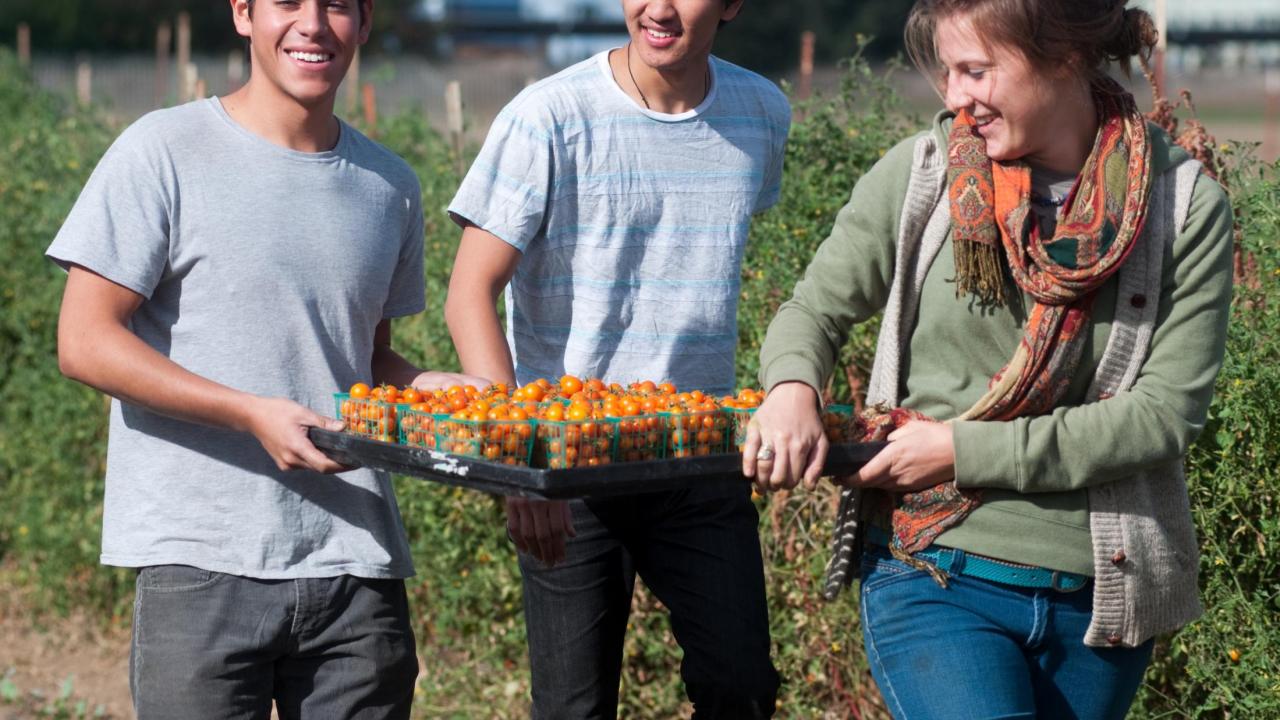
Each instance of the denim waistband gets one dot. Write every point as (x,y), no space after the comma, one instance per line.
(959,562)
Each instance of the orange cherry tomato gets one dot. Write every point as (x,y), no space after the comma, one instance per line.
(570,384)
(359,391)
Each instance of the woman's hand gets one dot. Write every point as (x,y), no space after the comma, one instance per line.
(785,441)
(919,455)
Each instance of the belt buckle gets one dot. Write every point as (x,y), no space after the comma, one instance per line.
(1065,582)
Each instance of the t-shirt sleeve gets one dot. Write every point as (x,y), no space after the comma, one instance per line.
(780,125)
(506,190)
(407,295)
(119,227)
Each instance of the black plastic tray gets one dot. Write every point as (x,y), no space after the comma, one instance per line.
(618,479)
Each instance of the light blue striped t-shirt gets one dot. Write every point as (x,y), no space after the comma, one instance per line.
(632,223)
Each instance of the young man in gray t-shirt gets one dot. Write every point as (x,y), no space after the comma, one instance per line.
(232,263)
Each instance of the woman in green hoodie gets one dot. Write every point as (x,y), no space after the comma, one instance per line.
(1055,278)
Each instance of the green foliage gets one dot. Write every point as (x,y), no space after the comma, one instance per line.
(64,705)
(1227,661)
(52,448)
(466,597)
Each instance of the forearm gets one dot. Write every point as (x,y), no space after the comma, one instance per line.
(846,283)
(391,368)
(477,335)
(483,267)
(1073,447)
(113,360)
(1160,416)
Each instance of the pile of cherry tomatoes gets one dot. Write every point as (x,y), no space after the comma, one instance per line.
(569,423)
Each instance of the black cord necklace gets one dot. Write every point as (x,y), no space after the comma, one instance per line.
(706,80)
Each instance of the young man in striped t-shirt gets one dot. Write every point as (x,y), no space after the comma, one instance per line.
(613,201)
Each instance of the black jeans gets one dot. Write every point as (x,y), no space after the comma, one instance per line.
(698,550)
(211,645)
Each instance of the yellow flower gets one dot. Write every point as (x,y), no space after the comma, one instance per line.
(22,530)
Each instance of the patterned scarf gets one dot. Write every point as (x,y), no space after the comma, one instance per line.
(991,211)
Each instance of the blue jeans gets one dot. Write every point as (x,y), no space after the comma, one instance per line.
(980,649)
(698,551)
(212,645)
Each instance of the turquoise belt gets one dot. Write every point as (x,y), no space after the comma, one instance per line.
(959,562)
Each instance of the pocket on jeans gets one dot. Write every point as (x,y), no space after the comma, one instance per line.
(880,569)
(175,578)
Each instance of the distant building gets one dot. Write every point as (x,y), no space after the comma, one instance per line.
(1192,14)
(487,12)
(563,31)
(1224,33)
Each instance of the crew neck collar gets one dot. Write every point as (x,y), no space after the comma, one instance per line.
(344,132)
(602,61)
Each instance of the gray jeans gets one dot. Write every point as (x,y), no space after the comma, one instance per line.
(211,645)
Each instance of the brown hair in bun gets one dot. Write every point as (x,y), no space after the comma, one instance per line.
(1086,35)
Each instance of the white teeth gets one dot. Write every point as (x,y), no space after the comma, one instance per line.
(308,57)
(660,34)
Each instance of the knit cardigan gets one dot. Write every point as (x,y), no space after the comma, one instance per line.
(1145,554)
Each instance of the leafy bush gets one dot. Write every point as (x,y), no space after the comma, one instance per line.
(466,598)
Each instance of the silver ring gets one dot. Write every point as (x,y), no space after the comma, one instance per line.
(765,452)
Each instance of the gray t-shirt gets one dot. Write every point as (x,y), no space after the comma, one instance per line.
(266,270)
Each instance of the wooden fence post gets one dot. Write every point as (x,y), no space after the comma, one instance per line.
(453,119)
(190,79)
(24,45)
(370,108)
(84,82)
(184,57)
(806,65)
(1271,127)
(1162,29)
(164,42)
(353,83)
(235,69)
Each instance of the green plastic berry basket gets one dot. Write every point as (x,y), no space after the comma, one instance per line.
(506,442)
(565,444)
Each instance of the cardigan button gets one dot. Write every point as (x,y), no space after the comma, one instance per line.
(1114,639)
(1139,301)
(1118,558)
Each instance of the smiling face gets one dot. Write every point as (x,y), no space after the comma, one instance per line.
(1022,113)
(302,48)
(671,35)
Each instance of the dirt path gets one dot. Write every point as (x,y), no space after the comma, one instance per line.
(37,661)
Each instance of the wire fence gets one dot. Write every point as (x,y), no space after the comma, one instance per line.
(1236,103)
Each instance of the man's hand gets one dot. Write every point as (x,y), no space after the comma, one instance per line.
(539,527)
(280,425)
(434,380)
(919,455)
